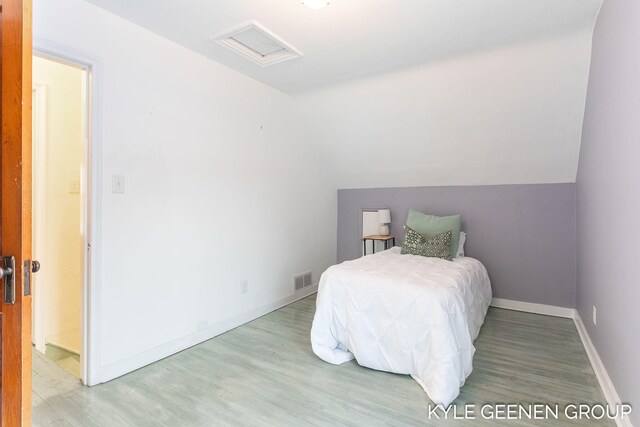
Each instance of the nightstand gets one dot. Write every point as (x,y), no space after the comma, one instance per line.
(375,237)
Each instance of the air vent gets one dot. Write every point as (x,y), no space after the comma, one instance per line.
(258,44)
(302,281)
(306,279)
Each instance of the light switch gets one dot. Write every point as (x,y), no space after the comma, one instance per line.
(74,186)
(117,184)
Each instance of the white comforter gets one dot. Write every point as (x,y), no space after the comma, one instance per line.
(405,314)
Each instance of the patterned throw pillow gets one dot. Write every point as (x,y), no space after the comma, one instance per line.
(438,246)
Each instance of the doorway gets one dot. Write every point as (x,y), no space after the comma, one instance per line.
(60,195)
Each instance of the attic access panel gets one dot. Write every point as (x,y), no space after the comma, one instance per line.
(256,43)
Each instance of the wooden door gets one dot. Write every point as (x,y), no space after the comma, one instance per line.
(15,207)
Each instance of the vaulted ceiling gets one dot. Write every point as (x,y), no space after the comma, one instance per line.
(351,39)
(413,92)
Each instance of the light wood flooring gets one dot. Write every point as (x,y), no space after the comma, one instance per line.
(265,374)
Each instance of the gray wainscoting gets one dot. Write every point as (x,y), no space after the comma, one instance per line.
(524,234)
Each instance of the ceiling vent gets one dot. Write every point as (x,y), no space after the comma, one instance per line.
(258,44)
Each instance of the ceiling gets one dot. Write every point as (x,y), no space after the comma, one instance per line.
(351,39)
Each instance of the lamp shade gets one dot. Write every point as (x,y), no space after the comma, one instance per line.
(384,216)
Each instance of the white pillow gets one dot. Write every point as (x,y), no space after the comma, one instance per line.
(460,251)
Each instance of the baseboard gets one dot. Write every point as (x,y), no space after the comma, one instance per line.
(608,389)
(530,307)
(147,357)
(64,347)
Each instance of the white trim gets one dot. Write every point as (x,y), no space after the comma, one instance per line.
(39,185)
(606,385)
(147,357)
(608,389)
(90,357)
(530,307)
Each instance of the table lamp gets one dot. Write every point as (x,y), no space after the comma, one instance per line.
(384,218)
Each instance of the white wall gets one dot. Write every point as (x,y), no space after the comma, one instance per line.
(228,179)
(221,186)
(505,116)
(58,245)
(608,186)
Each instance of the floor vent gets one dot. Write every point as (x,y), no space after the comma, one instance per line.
(257,44)
(302,281)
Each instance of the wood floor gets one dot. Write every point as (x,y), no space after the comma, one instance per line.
(265,374)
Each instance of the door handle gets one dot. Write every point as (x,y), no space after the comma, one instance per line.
(7,273)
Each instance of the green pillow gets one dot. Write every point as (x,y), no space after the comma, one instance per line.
(438,246)
(431,225)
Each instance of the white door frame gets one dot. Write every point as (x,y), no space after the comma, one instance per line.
(91,181)
(38,204)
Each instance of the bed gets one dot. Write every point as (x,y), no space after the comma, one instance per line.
(406,314)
